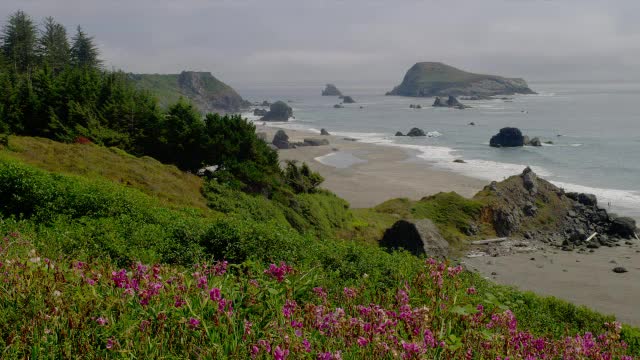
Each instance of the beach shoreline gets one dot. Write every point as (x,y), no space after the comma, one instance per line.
(373,173)
(380,174)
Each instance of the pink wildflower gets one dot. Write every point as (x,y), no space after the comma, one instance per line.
(194,323)
(472,291)
(101,321)
(280,354)
(350,293)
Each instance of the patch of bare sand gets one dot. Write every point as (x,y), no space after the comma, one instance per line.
(387,172)
(581,278)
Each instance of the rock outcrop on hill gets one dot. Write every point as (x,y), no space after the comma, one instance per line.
(420,237)
(331,90)
(526,205)
(507,137)
(278,111)
(427,79)
(207,93)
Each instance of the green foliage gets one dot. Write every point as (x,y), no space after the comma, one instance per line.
(241,239)
(53,45)
(301,179)
(19,37)
(84,52)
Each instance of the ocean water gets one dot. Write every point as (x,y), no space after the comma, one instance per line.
(595,128)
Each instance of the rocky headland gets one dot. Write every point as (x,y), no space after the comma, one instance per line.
(207,93)
(427,79)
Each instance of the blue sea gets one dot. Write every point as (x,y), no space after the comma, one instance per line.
(594,127)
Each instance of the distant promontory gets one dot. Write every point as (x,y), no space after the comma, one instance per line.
(206,92)
(427,79)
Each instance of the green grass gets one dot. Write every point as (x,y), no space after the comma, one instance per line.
(66,214)
(164,182)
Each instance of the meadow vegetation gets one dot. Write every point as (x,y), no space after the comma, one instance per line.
(112,249)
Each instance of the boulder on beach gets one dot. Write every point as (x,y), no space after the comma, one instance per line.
(281,140)
(398,133)
(416,132)
(331,90)
(419,237)
(315,142)
(472,124)
(324,132)
(338,106)
(278,111)
(624,227)
(507,137)
(459,161)
(348,100)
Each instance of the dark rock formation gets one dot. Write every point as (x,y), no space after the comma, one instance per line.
(460,161)
(527,204)
(348,100)
(324,132)
(416,132)
(316,142)
(620,270)
(266,103)
(472,124)
(427,79)
(331,90)
(338,106)
(535,142)
(281,140)
(451,102)
(259,112)
(398,133)
(278,111)
(420,237)
(507,137)
(624,227)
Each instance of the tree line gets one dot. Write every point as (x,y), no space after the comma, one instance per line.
(55,87)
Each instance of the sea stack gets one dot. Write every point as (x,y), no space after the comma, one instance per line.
(331,90)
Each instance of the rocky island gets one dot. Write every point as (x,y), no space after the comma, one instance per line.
(331,90)
(206,92)
(278,111)
(427,79)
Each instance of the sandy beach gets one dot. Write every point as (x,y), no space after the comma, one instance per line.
(383,173)
(369,174)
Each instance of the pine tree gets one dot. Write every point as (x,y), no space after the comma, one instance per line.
(84,52)
(19,41)
(53,46)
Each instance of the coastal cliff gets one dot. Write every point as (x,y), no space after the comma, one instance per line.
(427,79)
(206,92)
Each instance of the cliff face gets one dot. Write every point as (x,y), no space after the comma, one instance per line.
(206,92)
(428,79)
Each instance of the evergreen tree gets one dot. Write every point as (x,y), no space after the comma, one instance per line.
(19,41)
(84,52)
(53,46)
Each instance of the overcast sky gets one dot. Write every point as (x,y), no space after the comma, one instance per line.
(356,41)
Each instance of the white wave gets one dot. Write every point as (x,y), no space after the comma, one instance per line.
(627,201)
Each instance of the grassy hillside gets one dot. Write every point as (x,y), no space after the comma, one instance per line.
(163,86)
(165,182)
(80,245)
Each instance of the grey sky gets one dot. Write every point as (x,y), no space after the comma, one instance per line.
(356,41)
